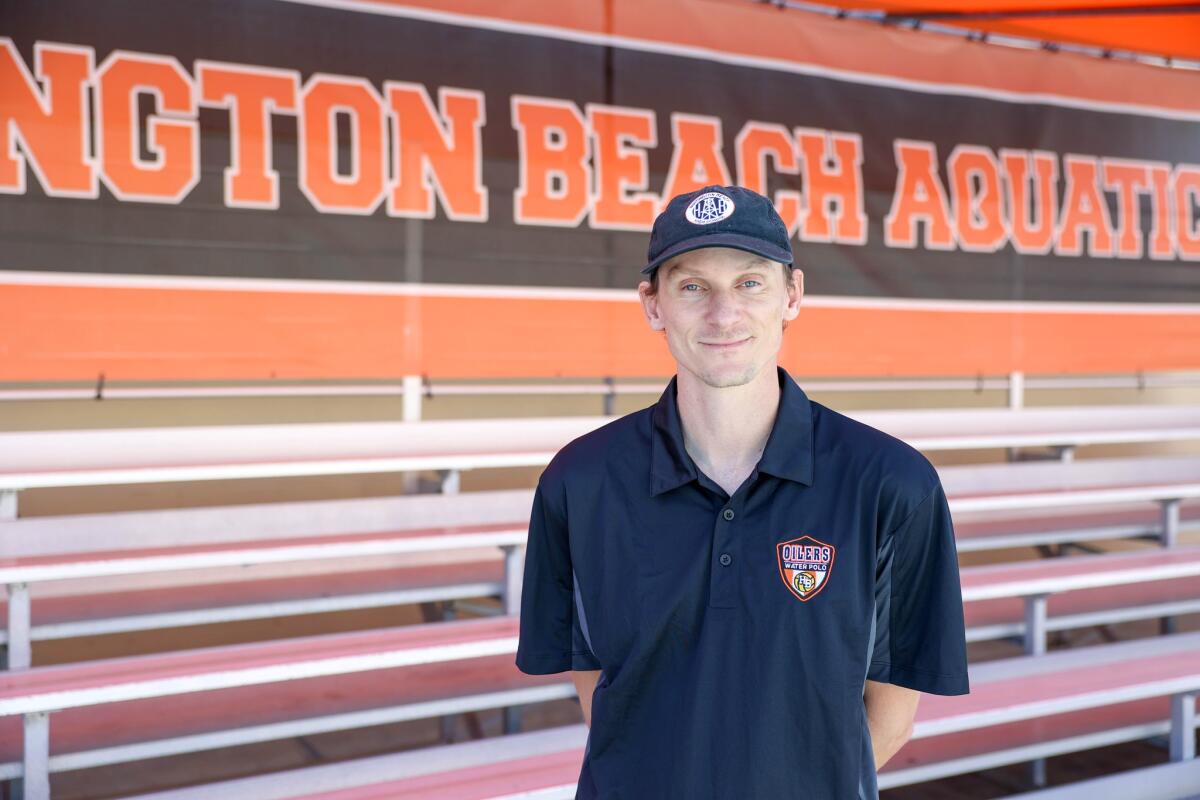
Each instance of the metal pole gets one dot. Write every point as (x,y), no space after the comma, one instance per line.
(8,504)
(514,566)
(413,388)
(20,649)
(1183,726)
(1016,401)
(1170,522)
(1035,624)
(36,761)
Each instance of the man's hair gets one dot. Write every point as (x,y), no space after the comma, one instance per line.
(653,290)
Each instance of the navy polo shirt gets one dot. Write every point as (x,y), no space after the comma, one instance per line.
(734,634)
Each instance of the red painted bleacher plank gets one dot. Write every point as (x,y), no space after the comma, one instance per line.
(105,605)
(271,544)
(1012,609)
(138,669)
(962,744)
(152,719)
(978,577)
(473,783)
(1107,677)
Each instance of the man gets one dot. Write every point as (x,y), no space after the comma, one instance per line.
(751,590)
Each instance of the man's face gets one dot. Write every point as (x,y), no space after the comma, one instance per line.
(723,312)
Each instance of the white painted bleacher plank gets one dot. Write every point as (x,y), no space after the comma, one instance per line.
(1058,660)
(1172,781)
(1079,572)
(134,530)
(96,565)
(394,766)
(143,455)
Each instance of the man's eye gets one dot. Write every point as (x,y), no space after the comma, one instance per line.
(689,286)
(751,281)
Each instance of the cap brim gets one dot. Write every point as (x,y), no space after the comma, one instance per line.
(737,241)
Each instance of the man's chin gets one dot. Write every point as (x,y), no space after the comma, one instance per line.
(729,376)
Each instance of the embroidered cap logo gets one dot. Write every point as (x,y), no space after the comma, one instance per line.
(708,208)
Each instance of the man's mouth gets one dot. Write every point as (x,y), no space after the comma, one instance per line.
(726,345)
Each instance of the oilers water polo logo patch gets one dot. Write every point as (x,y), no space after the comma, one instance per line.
(708,208)
(804,565)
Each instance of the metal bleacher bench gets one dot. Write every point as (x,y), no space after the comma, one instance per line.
(255,561)
(1030,599)
(41,459)
(280,689)
(1018,709)
(115,710)
(1072,501)
(1178,780)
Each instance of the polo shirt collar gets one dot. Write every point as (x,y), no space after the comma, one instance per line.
(788,454)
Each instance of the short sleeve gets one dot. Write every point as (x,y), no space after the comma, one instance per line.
(553,632)
(920,638)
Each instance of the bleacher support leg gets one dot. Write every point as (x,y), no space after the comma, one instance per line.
(450,481)
(1037,772)
(1016,400)
(514,567)
(1169,537)
(20,651)
(1035,625)
(36,763)
(512,719)
(8,505)
(1016,389)
(1066,453)
(1035,645)
(1183,726)
(412,398)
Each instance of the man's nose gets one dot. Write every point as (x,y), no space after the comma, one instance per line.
(723,309)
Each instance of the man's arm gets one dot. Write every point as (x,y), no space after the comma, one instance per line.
(890,713)
(585,684)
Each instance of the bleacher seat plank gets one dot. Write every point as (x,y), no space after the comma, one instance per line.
(89,613)
(1012,698)
(1015,528)
(113,680)
(1171,781)
(115,725)
(565,742)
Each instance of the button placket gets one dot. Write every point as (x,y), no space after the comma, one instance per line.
(723,579)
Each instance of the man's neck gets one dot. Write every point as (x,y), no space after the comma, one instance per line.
(725,430)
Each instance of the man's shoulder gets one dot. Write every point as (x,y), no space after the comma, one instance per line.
(590,454)
(872,454)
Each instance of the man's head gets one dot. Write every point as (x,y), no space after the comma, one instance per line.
(722,285)
(723,311)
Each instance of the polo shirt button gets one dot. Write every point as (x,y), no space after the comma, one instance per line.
(726,559)
(727,514)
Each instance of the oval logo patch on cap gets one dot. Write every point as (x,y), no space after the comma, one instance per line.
(708,208)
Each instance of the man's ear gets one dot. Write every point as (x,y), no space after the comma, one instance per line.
(795,293)
(650,306)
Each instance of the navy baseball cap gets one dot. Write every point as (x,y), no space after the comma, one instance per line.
(719,216)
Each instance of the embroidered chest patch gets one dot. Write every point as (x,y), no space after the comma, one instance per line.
(804,565)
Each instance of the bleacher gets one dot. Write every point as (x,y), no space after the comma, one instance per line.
(452,553)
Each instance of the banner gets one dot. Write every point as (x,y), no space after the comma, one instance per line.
(325,189)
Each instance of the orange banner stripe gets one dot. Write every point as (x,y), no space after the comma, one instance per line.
(77,332)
